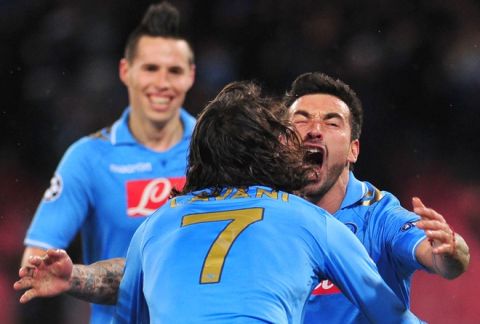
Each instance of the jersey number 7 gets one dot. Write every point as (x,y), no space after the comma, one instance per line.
(239,219)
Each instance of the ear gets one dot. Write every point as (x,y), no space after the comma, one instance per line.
(192,72)
(354,151)
(123,68)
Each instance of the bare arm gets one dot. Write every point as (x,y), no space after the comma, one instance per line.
(98,282)
(31,251)
(444,252)
(55,273)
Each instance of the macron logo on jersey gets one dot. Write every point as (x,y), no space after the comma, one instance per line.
(146,196)
(131,168)
(325,287)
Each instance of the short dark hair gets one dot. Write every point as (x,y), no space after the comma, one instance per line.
(317,82)
(240,141)
(160,20)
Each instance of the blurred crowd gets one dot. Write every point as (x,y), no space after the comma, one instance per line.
(414,64)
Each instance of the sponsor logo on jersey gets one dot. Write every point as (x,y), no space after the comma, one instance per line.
(325,287)
(55,189)
(146,196)
(407,226)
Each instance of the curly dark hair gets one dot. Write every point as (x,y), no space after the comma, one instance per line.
(239,141)
(317,82)
(160,20)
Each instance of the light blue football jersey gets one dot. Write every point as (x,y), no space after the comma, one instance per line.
(390,236)
(104,186)
(248,256)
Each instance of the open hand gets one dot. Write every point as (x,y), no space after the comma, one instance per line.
(45,276)
(439,233)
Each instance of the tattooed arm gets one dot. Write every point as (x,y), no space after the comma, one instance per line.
(97,283)
(54,274)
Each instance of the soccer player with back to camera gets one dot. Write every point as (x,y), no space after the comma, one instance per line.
(106,183)
(236,246)
(328,115)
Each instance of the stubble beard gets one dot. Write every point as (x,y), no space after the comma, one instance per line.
(316,189)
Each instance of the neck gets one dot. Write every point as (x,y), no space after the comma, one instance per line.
(158,137)
(332,199)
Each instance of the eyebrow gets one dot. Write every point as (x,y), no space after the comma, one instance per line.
(329,115)
(302,113)
(169,67)
(333,115)
(150,65)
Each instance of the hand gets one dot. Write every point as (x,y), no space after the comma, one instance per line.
(45,276)
(439,233)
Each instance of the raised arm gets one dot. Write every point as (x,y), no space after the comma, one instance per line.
(444,252)
(54,274)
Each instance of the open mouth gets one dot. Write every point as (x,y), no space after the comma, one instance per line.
(160,100)
(314,156)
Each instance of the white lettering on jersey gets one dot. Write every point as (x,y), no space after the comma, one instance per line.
(151,193)
(326,287)
(326,284)
(131,168)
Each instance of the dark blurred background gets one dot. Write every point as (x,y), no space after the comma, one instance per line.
(414,64)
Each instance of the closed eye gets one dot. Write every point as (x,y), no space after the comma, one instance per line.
(333,124)
(300,122)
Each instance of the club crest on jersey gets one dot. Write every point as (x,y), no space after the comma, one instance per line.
(352,226)
(147,195)
(55,189)
(325,287)
(407,226)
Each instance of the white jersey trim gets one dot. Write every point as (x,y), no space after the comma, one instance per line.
(414,256)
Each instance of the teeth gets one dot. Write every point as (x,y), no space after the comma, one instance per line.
(160,100)
(314,156)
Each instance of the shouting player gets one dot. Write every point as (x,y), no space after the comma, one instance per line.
(328,115)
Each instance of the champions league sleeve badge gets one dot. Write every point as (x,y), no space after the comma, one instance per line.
(55,189)
(407,226)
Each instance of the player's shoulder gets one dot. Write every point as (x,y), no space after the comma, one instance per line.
(101,135)
(383,203)
(378,198)
(304,209)
(93,141)
(296,200)
(87,148)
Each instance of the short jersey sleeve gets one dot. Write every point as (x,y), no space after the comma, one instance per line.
(131,305)
(403,237)
(350,267)
(66,202)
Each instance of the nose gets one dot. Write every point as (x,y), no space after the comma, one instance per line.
(315,129)
(162,79)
